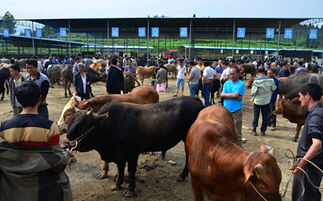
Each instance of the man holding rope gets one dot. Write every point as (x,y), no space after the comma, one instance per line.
(308,171)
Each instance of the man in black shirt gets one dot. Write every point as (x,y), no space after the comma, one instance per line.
(310,146)
(114,83)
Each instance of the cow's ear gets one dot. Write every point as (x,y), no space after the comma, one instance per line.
(248,172)
(263,148)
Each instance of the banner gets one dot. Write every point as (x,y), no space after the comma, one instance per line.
(142,32)
(270,33)
(39,33)
(313,34)
(28,32)
(154,31)
(288,33)
(241,32)
(62,32)
(183,32)
(115,31)
(5,32)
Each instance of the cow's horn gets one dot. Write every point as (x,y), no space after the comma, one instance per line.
(272,151)
(259,168)
(89,112)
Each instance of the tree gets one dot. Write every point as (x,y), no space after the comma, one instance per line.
(8,21)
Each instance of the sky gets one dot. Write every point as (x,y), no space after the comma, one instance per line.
(48,9)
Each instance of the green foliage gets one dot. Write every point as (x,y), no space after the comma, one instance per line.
(8,21)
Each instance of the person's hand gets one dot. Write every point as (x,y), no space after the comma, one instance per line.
(239,98)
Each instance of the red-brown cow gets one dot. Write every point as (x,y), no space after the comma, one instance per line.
(293,111)
(223,170)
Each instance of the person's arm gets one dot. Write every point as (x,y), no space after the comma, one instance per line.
(44,89)
(235,95)
(311,153)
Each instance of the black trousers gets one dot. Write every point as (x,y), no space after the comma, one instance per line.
(43,110)
(264,113)
(272,117)
(310,193)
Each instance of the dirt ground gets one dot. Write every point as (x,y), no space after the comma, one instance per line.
(158,177)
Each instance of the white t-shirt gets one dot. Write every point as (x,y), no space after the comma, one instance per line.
(255,64)
(225,73)
(181,72)
(209,73)
(84,83)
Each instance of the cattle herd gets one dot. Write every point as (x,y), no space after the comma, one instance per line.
(122,126)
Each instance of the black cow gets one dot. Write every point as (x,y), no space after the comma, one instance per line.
(4,80)
(133,129)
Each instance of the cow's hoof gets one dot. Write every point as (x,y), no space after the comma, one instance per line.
(180,179)
(102,176)
(128,194)
(294,140)
(116,188)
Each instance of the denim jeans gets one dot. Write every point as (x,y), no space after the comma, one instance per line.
(193,89)
(272,117)
(264,113)
(206,93)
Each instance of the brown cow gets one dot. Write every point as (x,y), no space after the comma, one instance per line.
(139,95)
(223,170)
(97,67)
(145,72)
(293,111)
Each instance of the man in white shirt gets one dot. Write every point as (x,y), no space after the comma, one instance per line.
(226,72)
(208,76)
(181,72)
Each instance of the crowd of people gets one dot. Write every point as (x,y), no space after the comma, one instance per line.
(30,125)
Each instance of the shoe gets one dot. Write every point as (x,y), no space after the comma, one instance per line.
(254,133)
(263,133)
(174,95)
(273,128)
(244,140)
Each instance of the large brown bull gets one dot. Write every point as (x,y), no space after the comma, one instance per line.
(223,170)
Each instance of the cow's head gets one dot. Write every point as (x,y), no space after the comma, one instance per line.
(279,106)
(262,171)
(81,123)
(68,111)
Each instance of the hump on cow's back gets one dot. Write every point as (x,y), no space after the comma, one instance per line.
(111,107)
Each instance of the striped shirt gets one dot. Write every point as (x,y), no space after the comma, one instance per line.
(30,130)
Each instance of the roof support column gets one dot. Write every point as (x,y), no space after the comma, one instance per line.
(278,39)
(233,35)
(69,38)
(190,40)
(32,35)
(148,37)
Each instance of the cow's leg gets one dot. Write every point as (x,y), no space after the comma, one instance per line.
(198,194)
(120,179)
(104,172)
(298,129)
(184,173)
(163,155)
(132,167)
(65,87)
(7,87)
(68,88)
(2,94)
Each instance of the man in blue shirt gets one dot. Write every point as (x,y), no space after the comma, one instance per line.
(232,94)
